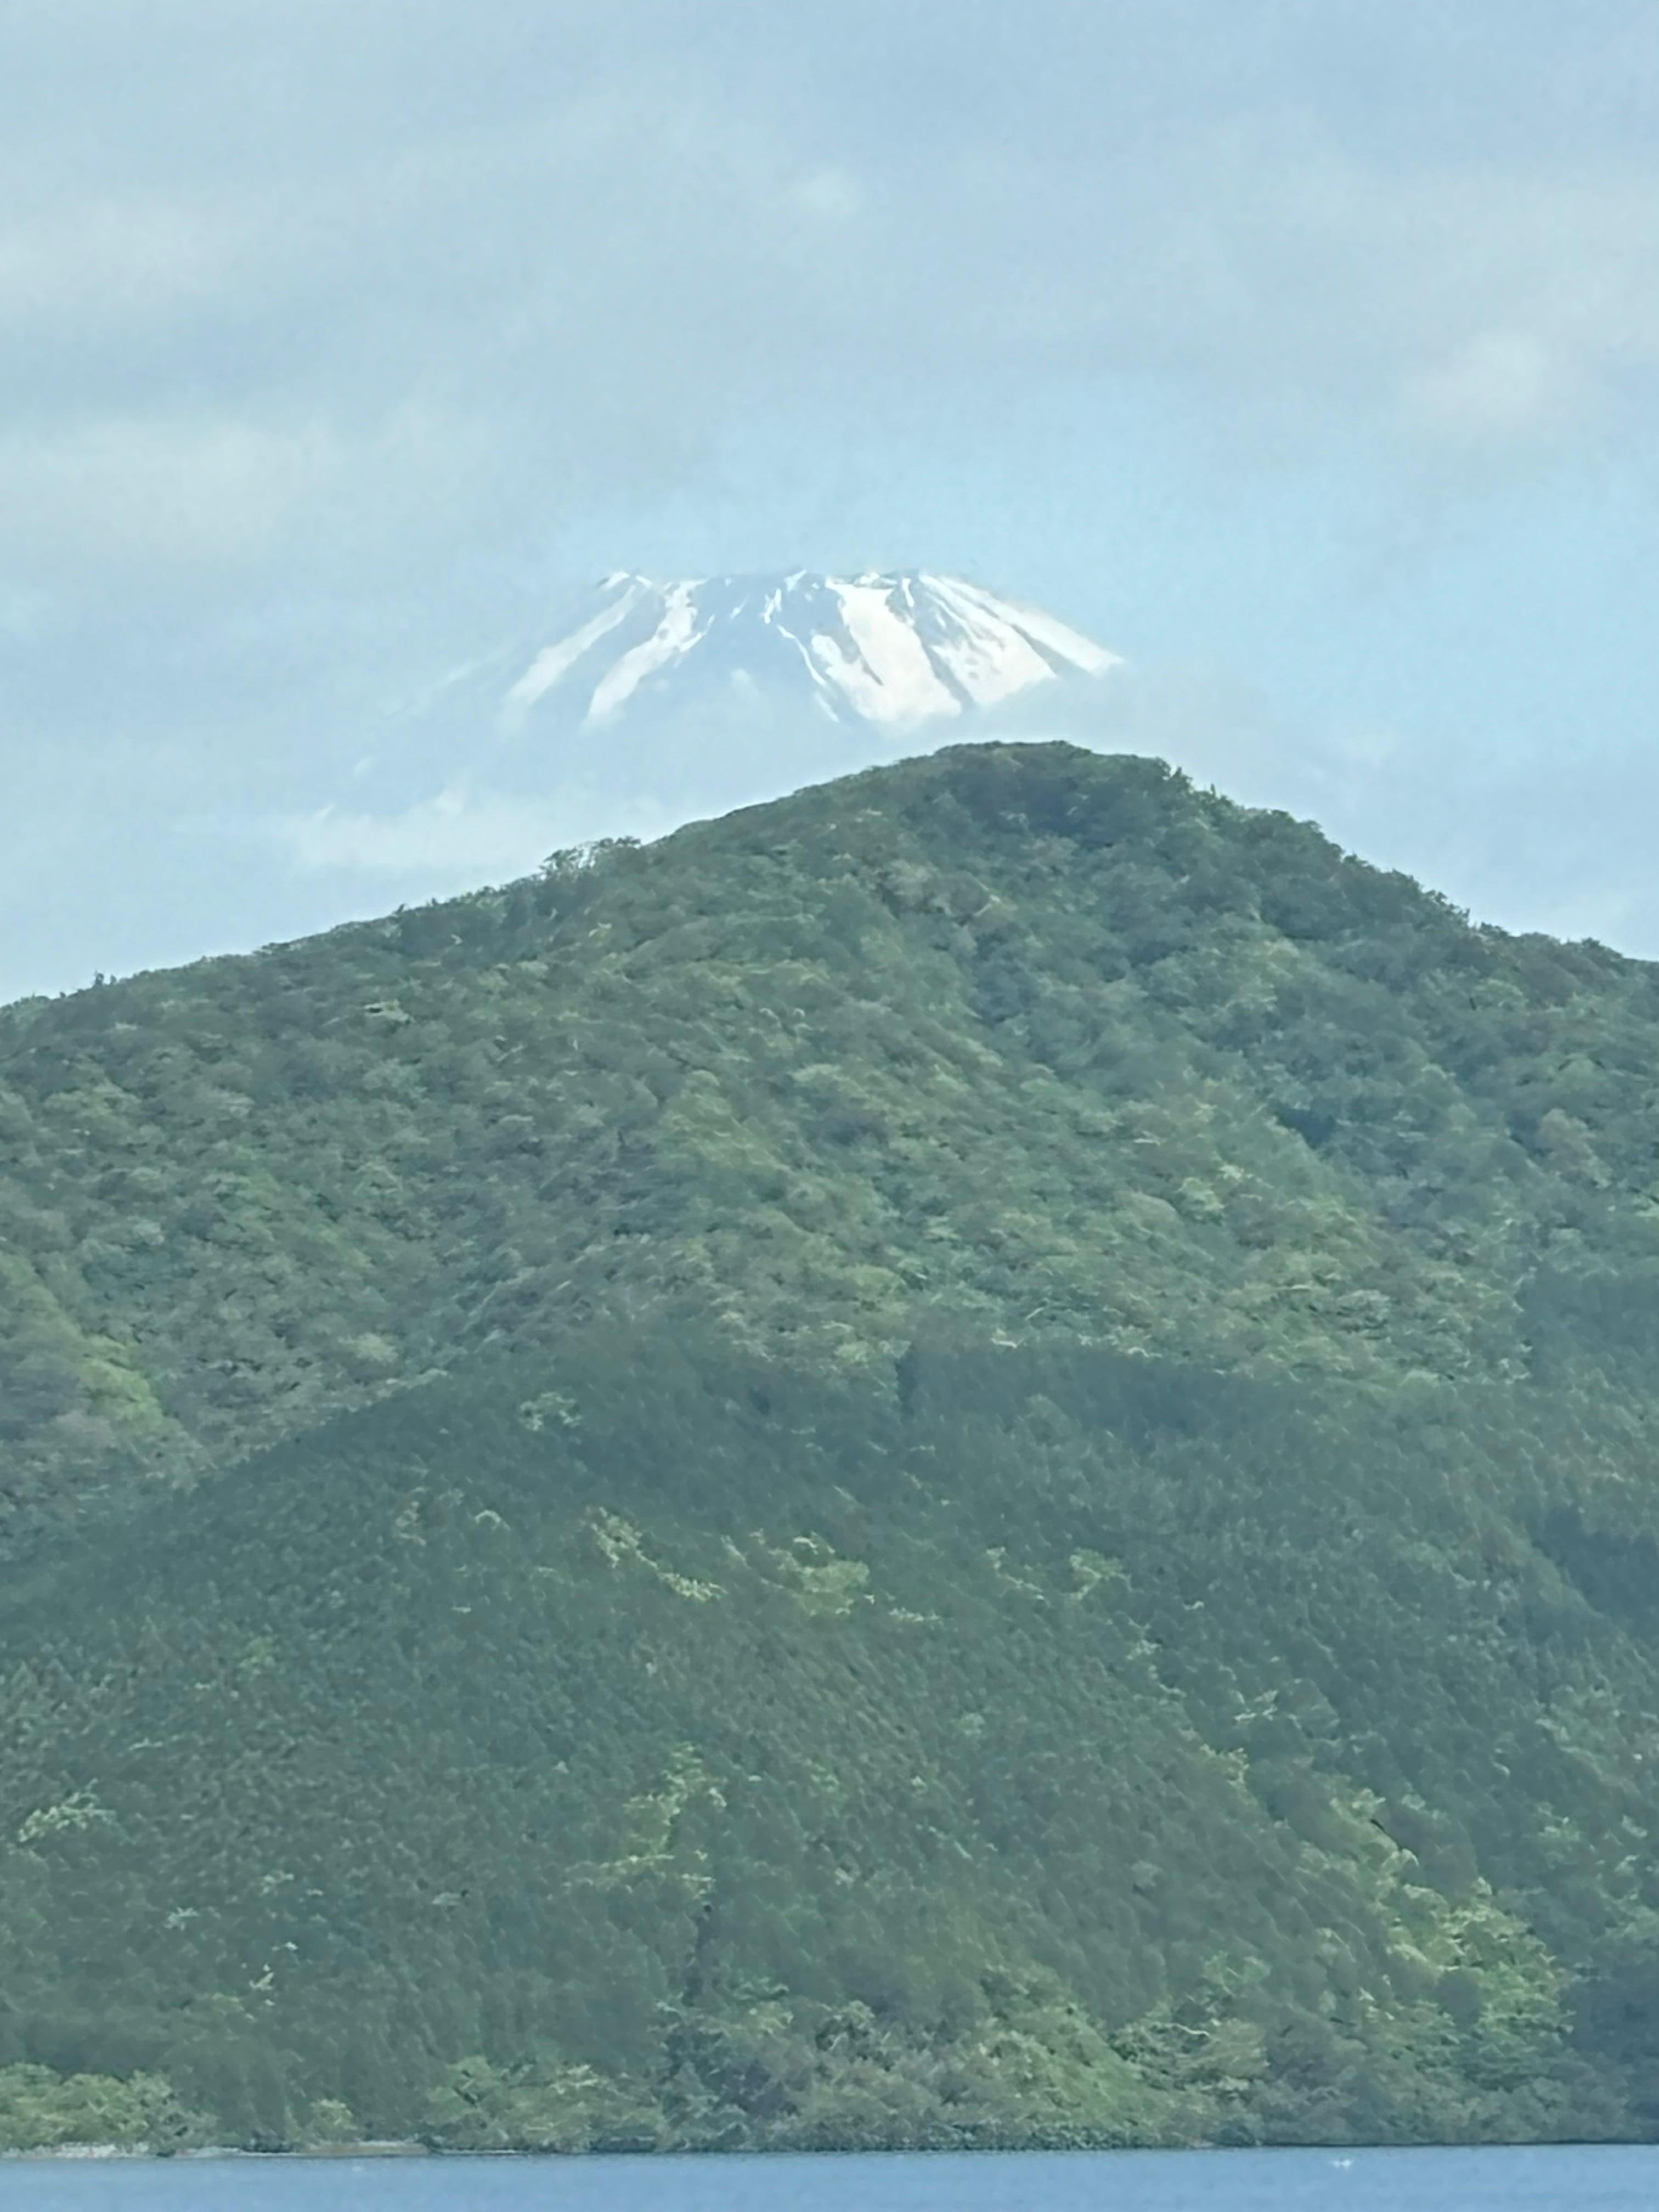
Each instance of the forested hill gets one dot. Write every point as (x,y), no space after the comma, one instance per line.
(969,1460)
(1019,1033)
(651,1746)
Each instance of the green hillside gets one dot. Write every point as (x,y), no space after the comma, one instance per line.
(1018,1032)
(1039,1744)
(965,1460)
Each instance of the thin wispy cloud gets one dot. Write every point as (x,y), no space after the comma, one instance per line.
(583,269)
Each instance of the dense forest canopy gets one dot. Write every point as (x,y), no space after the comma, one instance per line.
(967,1459)
(1018,1031)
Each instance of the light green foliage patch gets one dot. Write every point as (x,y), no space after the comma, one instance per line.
(42,2109)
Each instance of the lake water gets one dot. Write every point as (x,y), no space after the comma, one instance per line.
(1595,2180)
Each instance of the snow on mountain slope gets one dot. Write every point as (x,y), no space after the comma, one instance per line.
(889,651)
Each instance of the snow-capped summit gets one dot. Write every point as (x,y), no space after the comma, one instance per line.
(891,653)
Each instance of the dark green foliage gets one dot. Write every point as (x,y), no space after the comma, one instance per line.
(963,1461)
(1045,1746)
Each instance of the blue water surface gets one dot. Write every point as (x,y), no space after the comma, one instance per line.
(1601,2179)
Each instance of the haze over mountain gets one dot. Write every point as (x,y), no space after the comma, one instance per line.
(1353,453)
(640,704)
(704,693)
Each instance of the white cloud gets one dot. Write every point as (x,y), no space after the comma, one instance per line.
(460,836)
(583,277)
(194,489)
(25,614)
(1502,386)
(480,838)
(109,260)
(145,487)
(830,194)
(1478,299)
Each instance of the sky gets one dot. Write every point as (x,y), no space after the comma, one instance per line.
(1306,352)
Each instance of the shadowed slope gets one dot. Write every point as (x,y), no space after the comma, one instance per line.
(654,1746)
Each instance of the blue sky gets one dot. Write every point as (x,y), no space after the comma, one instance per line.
(1307,354)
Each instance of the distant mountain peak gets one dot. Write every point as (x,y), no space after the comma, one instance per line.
(889,650)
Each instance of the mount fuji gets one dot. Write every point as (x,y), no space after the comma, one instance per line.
(647,703)
(892,654)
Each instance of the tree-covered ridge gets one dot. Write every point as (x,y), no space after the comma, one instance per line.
(1015,1031)
(660,1746)
(964,1460)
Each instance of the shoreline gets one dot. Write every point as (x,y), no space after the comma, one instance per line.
(1342,2152)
